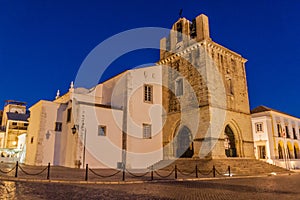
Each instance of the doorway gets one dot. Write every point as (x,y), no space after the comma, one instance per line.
(184,147)
(261,152)
(230,148)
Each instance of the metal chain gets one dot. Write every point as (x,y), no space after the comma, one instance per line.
(186,174)
(219,173)
(34,174)
(4,172)
(104,176)
(138,176)
(205,174)
(161,176)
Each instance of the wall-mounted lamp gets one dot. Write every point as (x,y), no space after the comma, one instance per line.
(74,129)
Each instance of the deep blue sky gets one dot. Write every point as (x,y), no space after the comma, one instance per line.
(43,43)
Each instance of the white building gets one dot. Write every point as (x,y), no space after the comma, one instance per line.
(13,131)
(92,126)
(276,137)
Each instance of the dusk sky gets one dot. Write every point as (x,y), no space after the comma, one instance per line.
(43,43)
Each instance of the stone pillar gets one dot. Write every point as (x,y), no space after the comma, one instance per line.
(163,46)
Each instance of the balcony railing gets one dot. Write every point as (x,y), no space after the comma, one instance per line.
(18,127)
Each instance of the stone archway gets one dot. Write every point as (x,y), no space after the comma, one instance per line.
(184,146)
(230,143)
(296,150)
(290,150)
(280,150)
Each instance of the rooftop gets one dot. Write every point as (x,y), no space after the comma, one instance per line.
(20,103)
(263,108)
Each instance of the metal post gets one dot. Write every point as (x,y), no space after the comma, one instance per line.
(124,125)
(175,171)
(196,171)
(86,172)
(17,166)
(48,172)
(152,173)
(228,170)
(123,178)
(214,171)
(84,147)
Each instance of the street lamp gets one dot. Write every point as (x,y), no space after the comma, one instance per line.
(74,129)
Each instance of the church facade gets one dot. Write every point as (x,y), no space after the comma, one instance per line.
(192,104)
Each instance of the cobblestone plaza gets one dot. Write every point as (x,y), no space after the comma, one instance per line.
(266,187)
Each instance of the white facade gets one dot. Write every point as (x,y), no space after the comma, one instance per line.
(99,117)
(276,137)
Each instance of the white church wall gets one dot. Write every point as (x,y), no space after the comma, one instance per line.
(144,152)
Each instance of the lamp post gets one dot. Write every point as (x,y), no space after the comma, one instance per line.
(74,130)
(84,144)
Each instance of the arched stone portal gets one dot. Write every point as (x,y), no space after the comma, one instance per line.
(184,146)
(296,150)
(230,146)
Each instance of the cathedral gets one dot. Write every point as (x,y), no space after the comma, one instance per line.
(192,104)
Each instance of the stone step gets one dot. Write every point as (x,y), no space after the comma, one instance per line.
(238,166)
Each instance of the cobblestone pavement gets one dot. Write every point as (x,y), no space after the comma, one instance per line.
(268,187)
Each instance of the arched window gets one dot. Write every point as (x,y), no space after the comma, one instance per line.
(280,152)
(289,149)
(296,151)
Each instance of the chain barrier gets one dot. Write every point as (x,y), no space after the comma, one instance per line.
(137,176)
(32,174)
(186,173)
(219,173)
(6,172)
(205,173)
(214,171)
(162,176)
(104,176)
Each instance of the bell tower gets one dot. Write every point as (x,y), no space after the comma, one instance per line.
(206,83)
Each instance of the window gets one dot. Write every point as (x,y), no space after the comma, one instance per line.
(146,131)
(26,124)
(179,87)
(259,127)
(193,29)
(101,130)
(69,112)
(279,130)
(31,140)
(148,90)
(179,31)
(287,132)
(14,123)
(294,133)
(58,126)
